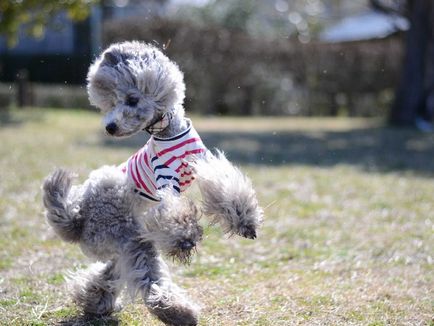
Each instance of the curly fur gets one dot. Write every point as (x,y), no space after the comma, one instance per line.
(174,227)
(228,196)
(95,289)
(133,69)
(61,215)
(164,303)
(134,84)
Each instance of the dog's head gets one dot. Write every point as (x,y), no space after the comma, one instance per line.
(134,84)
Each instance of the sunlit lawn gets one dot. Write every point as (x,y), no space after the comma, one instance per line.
(347,240)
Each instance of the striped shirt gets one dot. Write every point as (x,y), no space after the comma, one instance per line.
(164,162)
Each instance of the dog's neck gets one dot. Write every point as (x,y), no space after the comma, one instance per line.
(177,124)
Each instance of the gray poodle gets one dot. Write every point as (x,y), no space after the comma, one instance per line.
(124,216)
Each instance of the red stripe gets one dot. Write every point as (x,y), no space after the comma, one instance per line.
(194,151)
(186,173)
(146,174)
(170,149)
(139,176)
(146,160)
(132,173)
(180,167)
(186,182)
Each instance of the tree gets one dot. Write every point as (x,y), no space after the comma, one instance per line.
(35,14)
(414,99)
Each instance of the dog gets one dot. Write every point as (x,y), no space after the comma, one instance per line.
(126,216)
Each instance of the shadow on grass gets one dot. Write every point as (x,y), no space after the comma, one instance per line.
(6,118)
(89,320)
(14,118)
(372,149)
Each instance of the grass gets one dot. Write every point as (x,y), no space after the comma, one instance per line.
(347,240)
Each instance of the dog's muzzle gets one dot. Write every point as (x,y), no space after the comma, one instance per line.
(111,128)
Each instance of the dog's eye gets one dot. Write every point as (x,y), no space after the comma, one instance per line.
(131,101)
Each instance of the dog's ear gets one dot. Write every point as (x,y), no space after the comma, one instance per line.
(111,58)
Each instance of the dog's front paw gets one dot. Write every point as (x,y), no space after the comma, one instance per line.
(247,221)
(176,229)
(185,232)
(248,231)
(182,249)
(242,218)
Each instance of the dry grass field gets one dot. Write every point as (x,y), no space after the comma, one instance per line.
(348,237)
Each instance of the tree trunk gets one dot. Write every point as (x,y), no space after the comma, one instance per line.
(429,78)
(417,76)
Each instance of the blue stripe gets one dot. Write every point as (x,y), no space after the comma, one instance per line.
(145,195)
(167,177)
(174,187)
(162,166)
(154,158)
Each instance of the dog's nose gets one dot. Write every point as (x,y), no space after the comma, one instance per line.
(111,128)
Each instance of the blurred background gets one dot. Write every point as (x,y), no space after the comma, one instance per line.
(272,57)
(327,105)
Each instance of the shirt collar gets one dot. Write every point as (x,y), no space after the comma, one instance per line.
(178,136)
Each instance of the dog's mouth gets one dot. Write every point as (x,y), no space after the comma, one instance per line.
(120,134)
(114,130)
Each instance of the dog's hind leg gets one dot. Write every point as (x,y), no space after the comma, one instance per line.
(168,302)
(148,275)
(96,289)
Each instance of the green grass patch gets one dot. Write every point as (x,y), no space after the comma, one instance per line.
(208,271)
(7,302)
(28,295)
(61,313)
(5,262)
(56,279)
(347,236)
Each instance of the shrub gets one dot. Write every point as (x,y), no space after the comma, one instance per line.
(229,72)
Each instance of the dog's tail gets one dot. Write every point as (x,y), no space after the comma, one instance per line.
(61,214)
